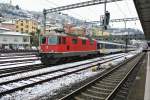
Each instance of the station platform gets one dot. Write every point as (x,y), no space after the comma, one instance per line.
(147,84)
(140,89)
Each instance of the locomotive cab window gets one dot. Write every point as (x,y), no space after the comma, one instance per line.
(63,40)
(91,42)
(52,40)
(74,41)
(43,40)
(84,42)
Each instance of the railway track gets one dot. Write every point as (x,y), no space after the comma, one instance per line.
(19,60)
(8,60)
(106,86)
(20,69)
(11,84)
(13,57)
(17,54)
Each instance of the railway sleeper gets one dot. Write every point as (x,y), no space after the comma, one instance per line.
(87,96)
(118,74)
(120,97)
(100,89)
(115,76)
(123,92)
(18,84)
(111,77)
(104,92)
(97,93)
(104,86)
(110,81)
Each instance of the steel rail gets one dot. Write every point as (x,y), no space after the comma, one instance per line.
(10,57)
(51,78)
(19,54)
(21,69)
(15,70)
(19,60)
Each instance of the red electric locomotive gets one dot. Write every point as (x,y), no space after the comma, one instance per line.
(60,47)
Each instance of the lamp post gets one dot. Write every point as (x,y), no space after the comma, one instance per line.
(126,38)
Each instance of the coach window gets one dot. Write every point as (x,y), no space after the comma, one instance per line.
(106,46)
(102,45)
(63,40)
(84,42)
(74,41)
(53,40)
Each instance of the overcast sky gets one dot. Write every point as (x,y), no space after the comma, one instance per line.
(120,9)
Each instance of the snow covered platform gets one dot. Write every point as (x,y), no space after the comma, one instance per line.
(147,85)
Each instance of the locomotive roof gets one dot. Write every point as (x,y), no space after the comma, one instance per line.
(63,34)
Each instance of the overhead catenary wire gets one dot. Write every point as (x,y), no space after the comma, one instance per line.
(83,18)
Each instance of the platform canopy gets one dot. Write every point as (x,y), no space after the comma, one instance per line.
(143,10)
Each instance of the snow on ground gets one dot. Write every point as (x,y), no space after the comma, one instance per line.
(8,57)
(18,59)
(15,63)
(21,64)
(52,87)
(11,54)
(44,70)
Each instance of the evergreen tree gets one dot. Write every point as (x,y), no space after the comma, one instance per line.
(17,7)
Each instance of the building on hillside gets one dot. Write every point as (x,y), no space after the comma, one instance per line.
(50,27)
(26,26)
(9,25)
(14,40)
(100,35)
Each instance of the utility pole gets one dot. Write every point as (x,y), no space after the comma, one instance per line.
(44,13)
(126,40)
(105,4)
(10,2)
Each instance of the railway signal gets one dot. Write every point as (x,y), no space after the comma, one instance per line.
(106,20)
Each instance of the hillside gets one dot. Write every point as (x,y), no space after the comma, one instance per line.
(15,12)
